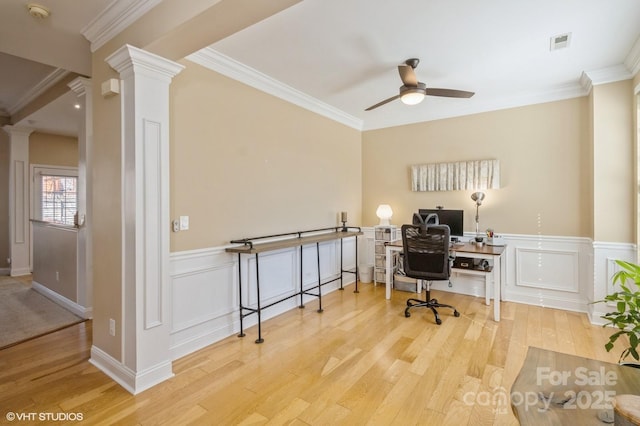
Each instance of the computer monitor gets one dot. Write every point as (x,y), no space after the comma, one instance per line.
(453,218)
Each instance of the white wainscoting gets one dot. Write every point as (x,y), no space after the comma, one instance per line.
(604,255)
(204,288)
(560,272)
(548,271)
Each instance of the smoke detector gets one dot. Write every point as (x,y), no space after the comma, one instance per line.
(38,11)
(560,41)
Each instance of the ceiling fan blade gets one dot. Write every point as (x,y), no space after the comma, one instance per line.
(449,93)
(407,75)
(393,98)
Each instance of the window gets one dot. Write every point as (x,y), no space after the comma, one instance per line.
(55,195)
(58,198)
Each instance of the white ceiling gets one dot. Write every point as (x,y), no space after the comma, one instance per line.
(345,52)
(338,57)
(37,53)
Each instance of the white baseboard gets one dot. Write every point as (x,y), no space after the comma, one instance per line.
(19,272)
(81,311)
(125,377)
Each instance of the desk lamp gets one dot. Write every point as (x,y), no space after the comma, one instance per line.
(477,197)
(384,213)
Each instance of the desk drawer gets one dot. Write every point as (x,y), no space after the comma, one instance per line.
(383,234)
(404,283)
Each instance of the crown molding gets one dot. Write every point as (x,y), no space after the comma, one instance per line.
(607,75)
(632,61)
(216,61)
(559,93)
(38,89)
(80,85)
(115,18)
(585,81)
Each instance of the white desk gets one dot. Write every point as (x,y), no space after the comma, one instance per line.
(493,253)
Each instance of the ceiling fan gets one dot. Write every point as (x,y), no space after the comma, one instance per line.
(412,92)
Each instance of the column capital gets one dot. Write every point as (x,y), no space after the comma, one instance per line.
(17,130)
(80,85)
(129,59)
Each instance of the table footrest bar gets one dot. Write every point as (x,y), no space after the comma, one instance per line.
(279,300)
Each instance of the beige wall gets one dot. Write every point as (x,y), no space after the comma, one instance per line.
(544,157)
(53,150)
(107,225)
(4,196)
(244,163)
(614,163)
(43,149)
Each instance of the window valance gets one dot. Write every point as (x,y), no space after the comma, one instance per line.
(461,175)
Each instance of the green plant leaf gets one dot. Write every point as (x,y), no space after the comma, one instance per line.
(621,307)
(626,317)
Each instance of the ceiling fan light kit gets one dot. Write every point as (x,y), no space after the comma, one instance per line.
(412,95)
(412,92)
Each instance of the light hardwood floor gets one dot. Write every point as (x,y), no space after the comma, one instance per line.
(359,362)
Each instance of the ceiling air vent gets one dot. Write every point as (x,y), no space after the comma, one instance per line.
(560,41)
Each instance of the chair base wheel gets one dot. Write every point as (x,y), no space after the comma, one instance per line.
(407,314)
(456,313)
(438,321)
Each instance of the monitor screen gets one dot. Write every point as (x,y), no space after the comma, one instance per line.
(453,218)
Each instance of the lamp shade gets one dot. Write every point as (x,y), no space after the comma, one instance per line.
(384,213)
(477,197)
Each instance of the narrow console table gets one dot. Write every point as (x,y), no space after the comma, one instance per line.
(254,246)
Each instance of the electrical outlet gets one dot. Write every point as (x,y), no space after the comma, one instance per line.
(57,276)
(112,326)
(176,225)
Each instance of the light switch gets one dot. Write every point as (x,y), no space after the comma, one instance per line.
(184,223)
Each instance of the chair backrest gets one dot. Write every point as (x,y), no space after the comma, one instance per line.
(426,251)
(431,219)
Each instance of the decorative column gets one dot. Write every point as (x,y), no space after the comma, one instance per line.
(82,87)
(19,235)
(145,80)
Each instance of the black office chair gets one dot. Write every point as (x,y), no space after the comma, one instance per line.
(426,257)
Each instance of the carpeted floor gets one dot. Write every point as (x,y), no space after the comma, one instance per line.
(25,313)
